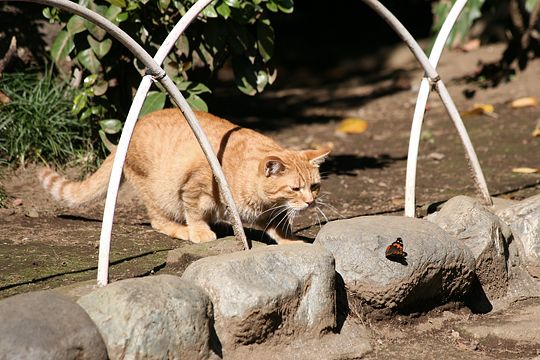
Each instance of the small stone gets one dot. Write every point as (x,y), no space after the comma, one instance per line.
(524,220)
(32,213)
(155,317)
(436,268)
(436,156)
(47,325)
(268,291)
(17,202)
(485,235)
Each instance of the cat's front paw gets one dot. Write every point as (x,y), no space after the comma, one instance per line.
(200,235)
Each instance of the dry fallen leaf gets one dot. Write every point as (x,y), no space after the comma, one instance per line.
(525,170)
(536,131)
(4,99)
(529,101)
(352,126)
(480,109)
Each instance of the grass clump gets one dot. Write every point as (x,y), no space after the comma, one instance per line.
(36,122)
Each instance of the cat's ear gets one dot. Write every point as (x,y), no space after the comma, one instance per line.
(317,156)
(272,165)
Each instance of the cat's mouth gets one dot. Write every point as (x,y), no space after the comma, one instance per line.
(302,207)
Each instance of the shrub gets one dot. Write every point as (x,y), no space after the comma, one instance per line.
(236,29)
(36,122)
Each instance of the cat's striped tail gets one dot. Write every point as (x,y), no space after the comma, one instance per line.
(76,193)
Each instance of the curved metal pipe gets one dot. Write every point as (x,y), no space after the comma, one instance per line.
(434,78)
(420,108)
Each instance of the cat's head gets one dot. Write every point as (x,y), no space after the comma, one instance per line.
(292,178)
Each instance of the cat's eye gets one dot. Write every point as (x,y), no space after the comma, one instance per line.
(295,188)
(315,187)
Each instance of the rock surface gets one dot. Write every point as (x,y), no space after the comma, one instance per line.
(520,323)
(270,291)
(157,317)
(47,325)
(352,342)
(485,235)
(437,268)
(179,259)
(524,220)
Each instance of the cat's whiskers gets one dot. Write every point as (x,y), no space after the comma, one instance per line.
(282,209)
(320,201)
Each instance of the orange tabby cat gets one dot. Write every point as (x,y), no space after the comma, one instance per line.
(166,165)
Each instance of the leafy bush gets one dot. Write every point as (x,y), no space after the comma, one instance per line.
(521,29)
(36,122)
(239,29)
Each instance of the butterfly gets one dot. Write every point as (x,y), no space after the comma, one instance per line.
(394,251)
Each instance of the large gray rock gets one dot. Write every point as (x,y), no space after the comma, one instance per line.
(270,291)
(437,268)
(47,325)
(524,220)
(157,317)
(485,234)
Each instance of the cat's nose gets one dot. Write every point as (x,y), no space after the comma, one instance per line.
(309,202)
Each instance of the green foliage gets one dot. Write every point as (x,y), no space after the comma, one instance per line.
(237,29)
(471,12)
(37,122)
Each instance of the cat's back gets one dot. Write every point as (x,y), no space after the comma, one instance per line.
(172,122)
(168,127)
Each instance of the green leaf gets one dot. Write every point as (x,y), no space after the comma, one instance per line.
(154,101)
(111,126)
(272,6)
(182,44)
(233,3)
(86,114)
(245,75)
(90,80)
(262,80)
(265,39)
(97,32)
(197,103)
(88,59)
(210,12)
(112,13)
(246,14)
(181,83)
(121,18)
(224,10)
(118,3)
(51,14)
(529,5)
(199,88)
(206,56)
(75,25)
(100,87)
(62,46)
(163,5)
(100,48)
(286,6)
(108,144)
(79,103)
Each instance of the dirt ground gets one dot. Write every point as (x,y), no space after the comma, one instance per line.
(45,245)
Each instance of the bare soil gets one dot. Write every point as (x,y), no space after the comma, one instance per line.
(46,245)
